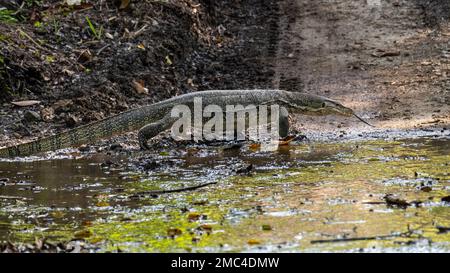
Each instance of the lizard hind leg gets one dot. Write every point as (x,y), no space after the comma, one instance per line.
(153,129)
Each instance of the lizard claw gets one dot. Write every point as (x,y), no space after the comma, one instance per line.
(143,143)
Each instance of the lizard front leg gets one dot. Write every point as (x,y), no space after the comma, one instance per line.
(153,129)
(283,124)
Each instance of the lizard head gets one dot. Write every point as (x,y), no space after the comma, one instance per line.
(309,104)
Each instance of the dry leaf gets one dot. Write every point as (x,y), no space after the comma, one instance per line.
(83,234)
(26,103)
(172,232)
(68,72)
(139,86)
(255,146)
(253,242)
(73,2)
(193,216)
(124,4)
(206,227)
(85,56)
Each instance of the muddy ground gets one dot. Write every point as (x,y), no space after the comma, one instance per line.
(388,60)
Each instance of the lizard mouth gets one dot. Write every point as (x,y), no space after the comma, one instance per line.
(349,112)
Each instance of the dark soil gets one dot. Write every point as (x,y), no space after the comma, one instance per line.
(146,52)
(436,11)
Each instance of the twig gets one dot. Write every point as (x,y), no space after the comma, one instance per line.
(138,32)
(12,197)
(174,190)
(380,237)
(33,41)
(101,49)
(20,8)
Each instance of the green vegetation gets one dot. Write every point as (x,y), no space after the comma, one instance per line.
(97,34)
(7,16)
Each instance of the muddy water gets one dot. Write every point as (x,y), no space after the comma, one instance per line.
(306,197)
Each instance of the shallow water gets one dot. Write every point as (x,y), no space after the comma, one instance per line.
(308,197)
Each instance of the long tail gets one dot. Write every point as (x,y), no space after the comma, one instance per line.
(118,124)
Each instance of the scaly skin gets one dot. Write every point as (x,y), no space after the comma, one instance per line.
(137,118)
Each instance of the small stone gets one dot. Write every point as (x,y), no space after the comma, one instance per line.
(31,116)
(115,147)
(266,227)
(151,165)
(72,120)
(245,170)
(84,149)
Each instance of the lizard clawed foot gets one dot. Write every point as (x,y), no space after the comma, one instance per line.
(143,143)
(294,137)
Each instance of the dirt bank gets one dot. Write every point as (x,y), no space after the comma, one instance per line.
(130,56)
(387,59)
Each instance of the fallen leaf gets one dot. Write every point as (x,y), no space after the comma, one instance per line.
(124,4)
(139,87)
(82,234)
(73,2)
(266,227)
(172,232)
(206,227)
(255,146)
(102,204)
(141,46)
(85,56)
(193,216)
(25,103)
(57,214)
(68,72)
(253,242)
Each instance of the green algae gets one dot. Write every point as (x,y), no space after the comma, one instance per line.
(306,194)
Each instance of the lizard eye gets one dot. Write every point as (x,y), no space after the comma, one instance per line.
(324,104)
